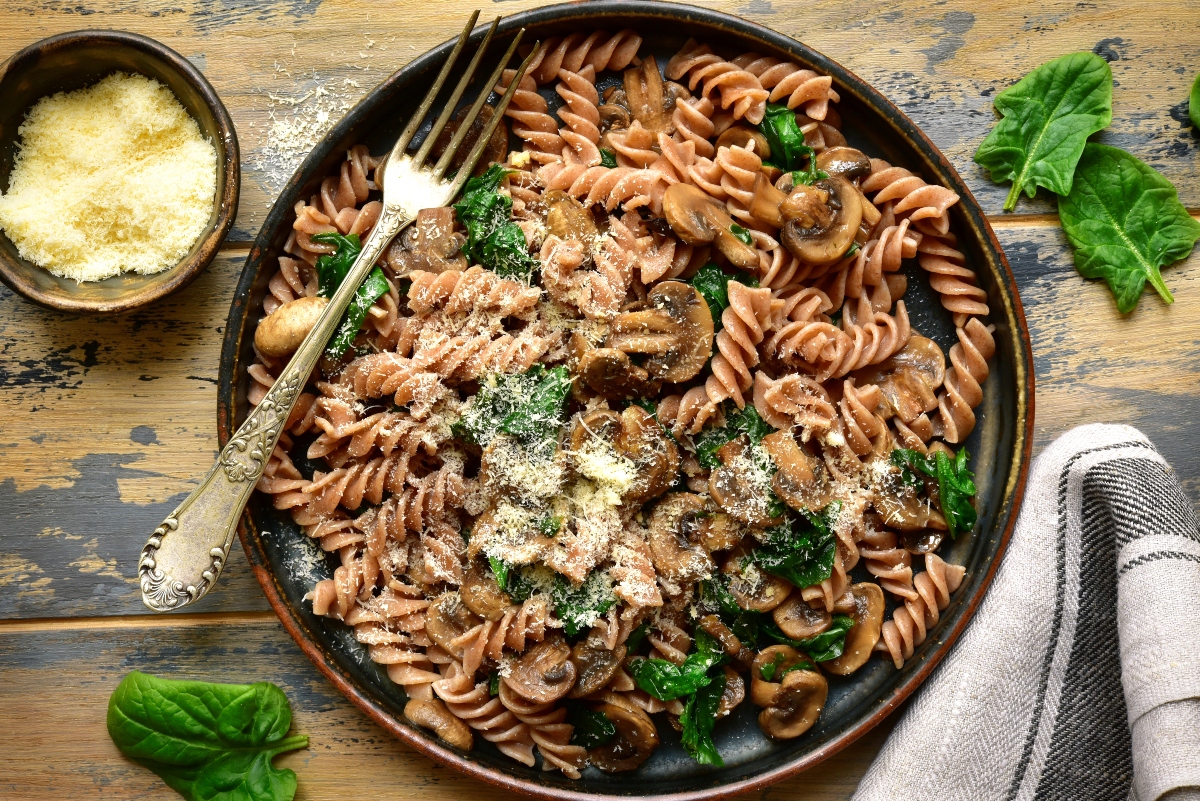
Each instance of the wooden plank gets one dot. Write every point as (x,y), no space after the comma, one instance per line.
(116,415)
(57,684)
(942,63)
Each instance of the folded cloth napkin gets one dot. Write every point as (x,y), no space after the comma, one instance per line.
(1079,677)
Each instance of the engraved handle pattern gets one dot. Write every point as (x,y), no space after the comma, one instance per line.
(184,556)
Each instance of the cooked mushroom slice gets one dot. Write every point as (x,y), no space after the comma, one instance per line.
(734,693)
(861,639)
(904,509)
(434,715)
(698,219)
(481,594)
(741,135)
(740,487)
(799,701)
(599,423)
(429,244)
(909,379)
(566,217)
(753,589)
(672,93)
(678,562)
(447,619)
(642,440)
(918,542)
(497,146)
(611,373)
(544,673)
(613,118)
(821,221)
(800,481)
(644,94)
(798,620)
(845,162)
(636,736)
(595,666)
(693,344)
(769,198)
(719,532)
(281,332)
(783,659)
(729,641)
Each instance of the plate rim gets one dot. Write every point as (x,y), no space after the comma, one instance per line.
(1012,494)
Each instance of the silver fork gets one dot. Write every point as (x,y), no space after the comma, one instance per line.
(183,558)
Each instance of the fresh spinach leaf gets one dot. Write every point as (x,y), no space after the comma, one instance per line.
(530,406)
(607,158)
(829,643)
(493,239)
(741,235)
(332,268)
(1047,117)
(737,422)
(592,728)
(372,289)
(956,483)
(801,549)
(1194,104)
(698,718)
(667,681)
(208,742)
(1125,221)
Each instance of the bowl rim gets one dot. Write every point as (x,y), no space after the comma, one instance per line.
(187,270)
(1009,306)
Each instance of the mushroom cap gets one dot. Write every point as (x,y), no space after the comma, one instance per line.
(740,135)
(919,542)
(685,306)
(566,217)
(818,236)
(613,117)
(636,737)
(797,705)
(447,619)
(281,332)
(611,373)
(432,714)
(642,440)
(675,557)
(755,590)
(481,594)
(735,486)
(908,379)
(719,531)
(904,509)
(645,97)
(697,218)
(798,620)
(595,666)
(861,639)
(764,692)
(544,673)
(846,162)
(800,480)
(733,694)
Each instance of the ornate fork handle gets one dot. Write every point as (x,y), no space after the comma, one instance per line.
(185,555)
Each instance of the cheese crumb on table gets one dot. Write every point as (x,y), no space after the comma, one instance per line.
(113,178)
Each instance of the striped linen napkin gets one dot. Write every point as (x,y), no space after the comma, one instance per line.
(1079,677)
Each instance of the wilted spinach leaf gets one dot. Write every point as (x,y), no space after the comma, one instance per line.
(607,158)
(786,140)
(1125,221)
(592,728)
(530,406)
(208,742)
(829,643)
(713,283)
(737,422)
(332,268)
(1047,117)
(698,718)
(579,607)
(667,681)
(741,234)
(956,483)
(372,289)
(493,240)
(801,549)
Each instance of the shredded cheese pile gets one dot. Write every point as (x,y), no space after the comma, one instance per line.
(113,178)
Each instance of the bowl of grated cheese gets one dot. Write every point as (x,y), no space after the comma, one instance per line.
(119,172)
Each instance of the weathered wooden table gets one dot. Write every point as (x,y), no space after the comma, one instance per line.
(106,423)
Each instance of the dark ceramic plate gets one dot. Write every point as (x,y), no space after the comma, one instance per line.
(287,564)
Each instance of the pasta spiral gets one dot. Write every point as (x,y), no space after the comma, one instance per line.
(788,80)
(739,91)
(910,623)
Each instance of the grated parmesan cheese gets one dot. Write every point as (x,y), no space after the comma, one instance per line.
(112,178)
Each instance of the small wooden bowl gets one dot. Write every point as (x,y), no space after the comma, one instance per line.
(72,61)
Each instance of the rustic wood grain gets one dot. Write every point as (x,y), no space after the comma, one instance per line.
(57,682)
(940,62)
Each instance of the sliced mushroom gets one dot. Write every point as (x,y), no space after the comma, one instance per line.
(739,487)
(674,92)
(784,659)
(797,704)
(754,590)
(642,440)
(429,244)
(800,481)
(729,641)
(902,507)
(644,95)
(719,532)
(281,332)
(544,673)
(820,221)
(497,146)
(733,694)
(698,219)
(566,217)
(798,620)
(595,666)
(636,736)
(481,594)
(768,200)
(845,162)
(447,619)
(679,563)
(742,135)
(613,118)
(675,332)
(433,715)
(861,639)
(611,373)
(919,542)
(909,379)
